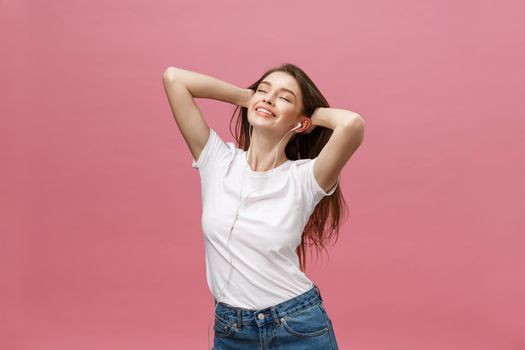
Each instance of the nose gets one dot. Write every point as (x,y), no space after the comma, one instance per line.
(267,99)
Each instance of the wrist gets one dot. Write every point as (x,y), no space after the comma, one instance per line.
(316,116)
(245,97)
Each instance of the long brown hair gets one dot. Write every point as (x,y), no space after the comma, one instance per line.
(324,222)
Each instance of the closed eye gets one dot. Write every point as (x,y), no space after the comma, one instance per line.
(281,97)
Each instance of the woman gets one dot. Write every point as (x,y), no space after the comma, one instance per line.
(265,200)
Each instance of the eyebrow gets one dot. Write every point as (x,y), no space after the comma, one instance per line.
(285,89)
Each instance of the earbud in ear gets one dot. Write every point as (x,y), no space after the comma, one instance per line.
(297,126)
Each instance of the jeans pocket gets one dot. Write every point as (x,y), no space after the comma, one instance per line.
(222,328)
(309,322)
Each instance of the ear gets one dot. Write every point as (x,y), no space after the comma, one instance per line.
(308,126)
(307,122)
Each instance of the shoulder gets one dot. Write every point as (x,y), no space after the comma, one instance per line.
(215,151)
(302,164)
(300,168)
(304,173)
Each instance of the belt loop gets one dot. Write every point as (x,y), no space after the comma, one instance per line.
(276,319)
(239,318)
(318,292)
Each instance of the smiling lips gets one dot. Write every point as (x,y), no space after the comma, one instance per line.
(265,111)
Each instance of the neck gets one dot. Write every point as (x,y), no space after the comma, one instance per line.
(261,154)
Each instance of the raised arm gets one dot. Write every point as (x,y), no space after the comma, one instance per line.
(181,87)
(348,134)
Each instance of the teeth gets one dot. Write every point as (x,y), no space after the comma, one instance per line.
(264,111)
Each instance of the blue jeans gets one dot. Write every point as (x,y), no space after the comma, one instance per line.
(297,323)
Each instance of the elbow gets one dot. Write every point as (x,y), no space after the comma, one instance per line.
(356,127)
(355,121)
(360,121)
(169,73)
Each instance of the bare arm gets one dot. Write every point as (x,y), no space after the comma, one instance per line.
(332,117)
(204,86)
(348,134)
(181,87)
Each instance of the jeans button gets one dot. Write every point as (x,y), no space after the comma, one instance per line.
(260,316)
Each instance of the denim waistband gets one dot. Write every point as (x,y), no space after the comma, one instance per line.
(242,316)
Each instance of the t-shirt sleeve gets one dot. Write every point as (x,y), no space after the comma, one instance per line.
(312,186)
(214,150)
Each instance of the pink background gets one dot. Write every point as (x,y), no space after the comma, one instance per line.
(101,245)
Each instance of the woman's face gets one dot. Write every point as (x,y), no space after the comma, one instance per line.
(280,94)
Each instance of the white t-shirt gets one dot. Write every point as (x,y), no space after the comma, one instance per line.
(267,231)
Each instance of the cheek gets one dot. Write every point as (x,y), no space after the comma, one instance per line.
(289,109)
